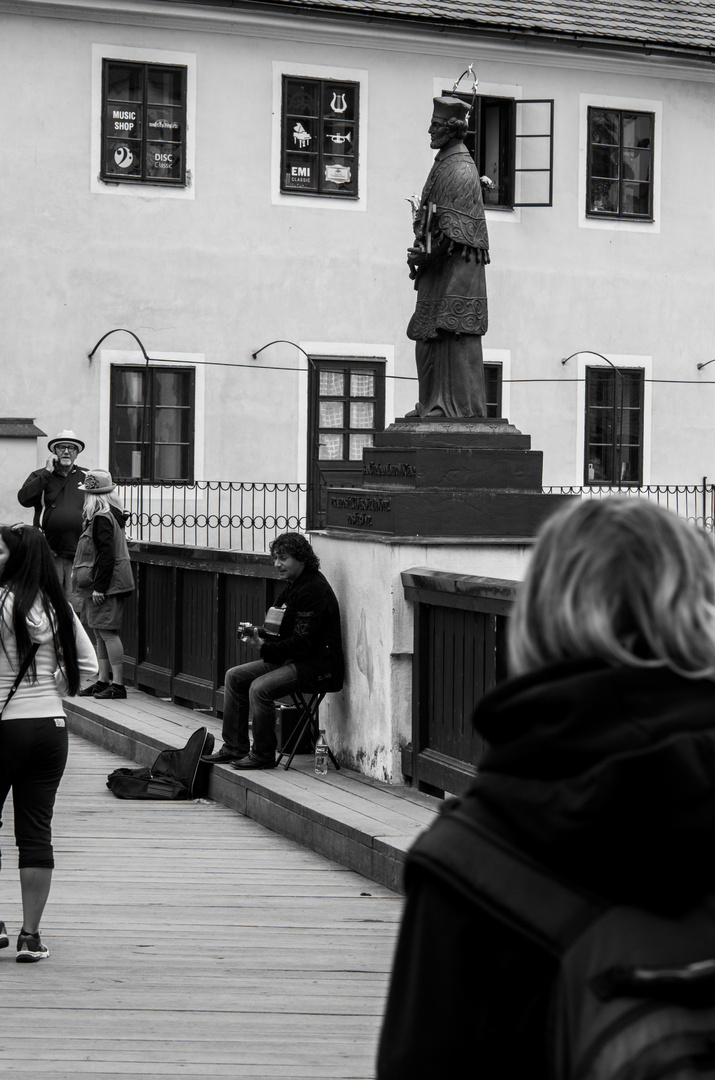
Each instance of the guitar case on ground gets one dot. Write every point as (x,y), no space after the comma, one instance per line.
(176,774)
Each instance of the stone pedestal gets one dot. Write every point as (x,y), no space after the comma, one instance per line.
(446,478)
(462,497)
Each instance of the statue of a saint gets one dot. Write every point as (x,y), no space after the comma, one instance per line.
(447,263)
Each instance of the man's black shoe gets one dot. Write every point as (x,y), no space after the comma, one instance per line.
(252,762)
(221,757)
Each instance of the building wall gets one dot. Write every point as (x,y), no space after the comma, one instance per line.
(210,274)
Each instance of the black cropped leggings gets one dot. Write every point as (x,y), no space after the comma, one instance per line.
(33,755)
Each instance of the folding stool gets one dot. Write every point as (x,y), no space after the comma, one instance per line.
(307,719)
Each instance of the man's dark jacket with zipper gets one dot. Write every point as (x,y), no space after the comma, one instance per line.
(309,634)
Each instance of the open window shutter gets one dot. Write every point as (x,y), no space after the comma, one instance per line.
(534,139)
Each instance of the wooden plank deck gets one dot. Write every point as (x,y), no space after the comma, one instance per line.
(361,823)
(189,941)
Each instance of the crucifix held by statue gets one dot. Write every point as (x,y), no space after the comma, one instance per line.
(447,262)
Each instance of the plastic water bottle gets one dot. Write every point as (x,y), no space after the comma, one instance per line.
(321,755)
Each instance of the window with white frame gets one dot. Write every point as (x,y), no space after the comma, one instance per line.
(143,123)
(511,141)
(151,428)
(619,181)
(614,426)
(319,137)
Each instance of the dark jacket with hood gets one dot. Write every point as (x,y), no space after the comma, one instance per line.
(607,776)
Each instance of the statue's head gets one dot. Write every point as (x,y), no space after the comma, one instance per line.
(449,121)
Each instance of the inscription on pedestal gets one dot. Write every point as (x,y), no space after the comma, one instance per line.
(380,468)
(360,508)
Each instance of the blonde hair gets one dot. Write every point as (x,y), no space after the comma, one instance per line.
(94,504)
(619,580)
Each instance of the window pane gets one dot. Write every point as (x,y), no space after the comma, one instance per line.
(636,165)
(338,138)
(599,465)
(338,174)
(330,448)
(636,199)
(332,414)
(302,98)
(637,130)
(332,384)
(128,387)
(630,460)
(604,196)
(169,462)
(361,385)
(171,388)
(124,82)
(302,135)
(600,387)
(604,127)
(604,162)
(128,424)
(163,86)
(171,425)
(127,460)
(362,414)
(339,101)
(357,445)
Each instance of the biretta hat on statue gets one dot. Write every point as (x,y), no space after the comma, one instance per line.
(97,482)
(448,106)
(65,436)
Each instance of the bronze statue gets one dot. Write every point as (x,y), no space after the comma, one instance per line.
(447,263)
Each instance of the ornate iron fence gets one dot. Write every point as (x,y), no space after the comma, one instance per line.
(247,516)
(213,513)
(694,502)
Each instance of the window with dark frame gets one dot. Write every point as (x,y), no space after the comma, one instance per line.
(319,137)
(614,426)
(511,141)
(350,409)
(492,388)
(620,164)
(151,431)
(143,123)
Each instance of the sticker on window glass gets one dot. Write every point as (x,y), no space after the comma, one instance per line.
(123,157)
(301,137)
(337,174)
(338,103)
(299,175)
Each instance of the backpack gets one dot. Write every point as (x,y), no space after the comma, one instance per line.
(634,995)
(176,774)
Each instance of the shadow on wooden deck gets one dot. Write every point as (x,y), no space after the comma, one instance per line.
(360,823)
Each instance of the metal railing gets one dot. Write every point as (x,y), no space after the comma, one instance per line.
(247,516)
(213,513)
(694,502)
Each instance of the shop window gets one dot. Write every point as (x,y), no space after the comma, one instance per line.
(511,142)
(152,423)
(319,137)
(143,123)
(614,426)
(620,164)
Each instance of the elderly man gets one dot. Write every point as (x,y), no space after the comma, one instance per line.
(54,493)
(300,649)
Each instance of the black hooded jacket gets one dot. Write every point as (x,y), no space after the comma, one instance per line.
(606,775)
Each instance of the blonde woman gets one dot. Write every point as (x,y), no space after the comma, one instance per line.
(600,765)
(102,578)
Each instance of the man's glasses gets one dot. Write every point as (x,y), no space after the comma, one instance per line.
(60,448)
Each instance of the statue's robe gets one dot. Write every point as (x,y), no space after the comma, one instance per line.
(451,313)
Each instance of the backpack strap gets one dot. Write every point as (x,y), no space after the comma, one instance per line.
(20,675)
(498,877)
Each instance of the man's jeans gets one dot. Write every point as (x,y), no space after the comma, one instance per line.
(251,690)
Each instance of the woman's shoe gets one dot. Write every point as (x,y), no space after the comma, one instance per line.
(111,692)
(30,948)
(4,939)
(90,691)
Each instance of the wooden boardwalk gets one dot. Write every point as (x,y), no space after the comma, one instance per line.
(189,941)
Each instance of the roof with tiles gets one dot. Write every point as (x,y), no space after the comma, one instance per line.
(681,24)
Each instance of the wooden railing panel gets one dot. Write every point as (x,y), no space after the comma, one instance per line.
(459,655)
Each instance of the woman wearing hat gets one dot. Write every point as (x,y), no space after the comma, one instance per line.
(54,494)
(102,578)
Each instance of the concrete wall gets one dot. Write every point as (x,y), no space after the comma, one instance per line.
(370,720)
(210,274)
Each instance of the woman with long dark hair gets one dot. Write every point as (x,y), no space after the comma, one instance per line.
(39,632)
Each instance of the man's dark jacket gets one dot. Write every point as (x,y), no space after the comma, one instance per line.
(58,504)
(310,633)
(605,775)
